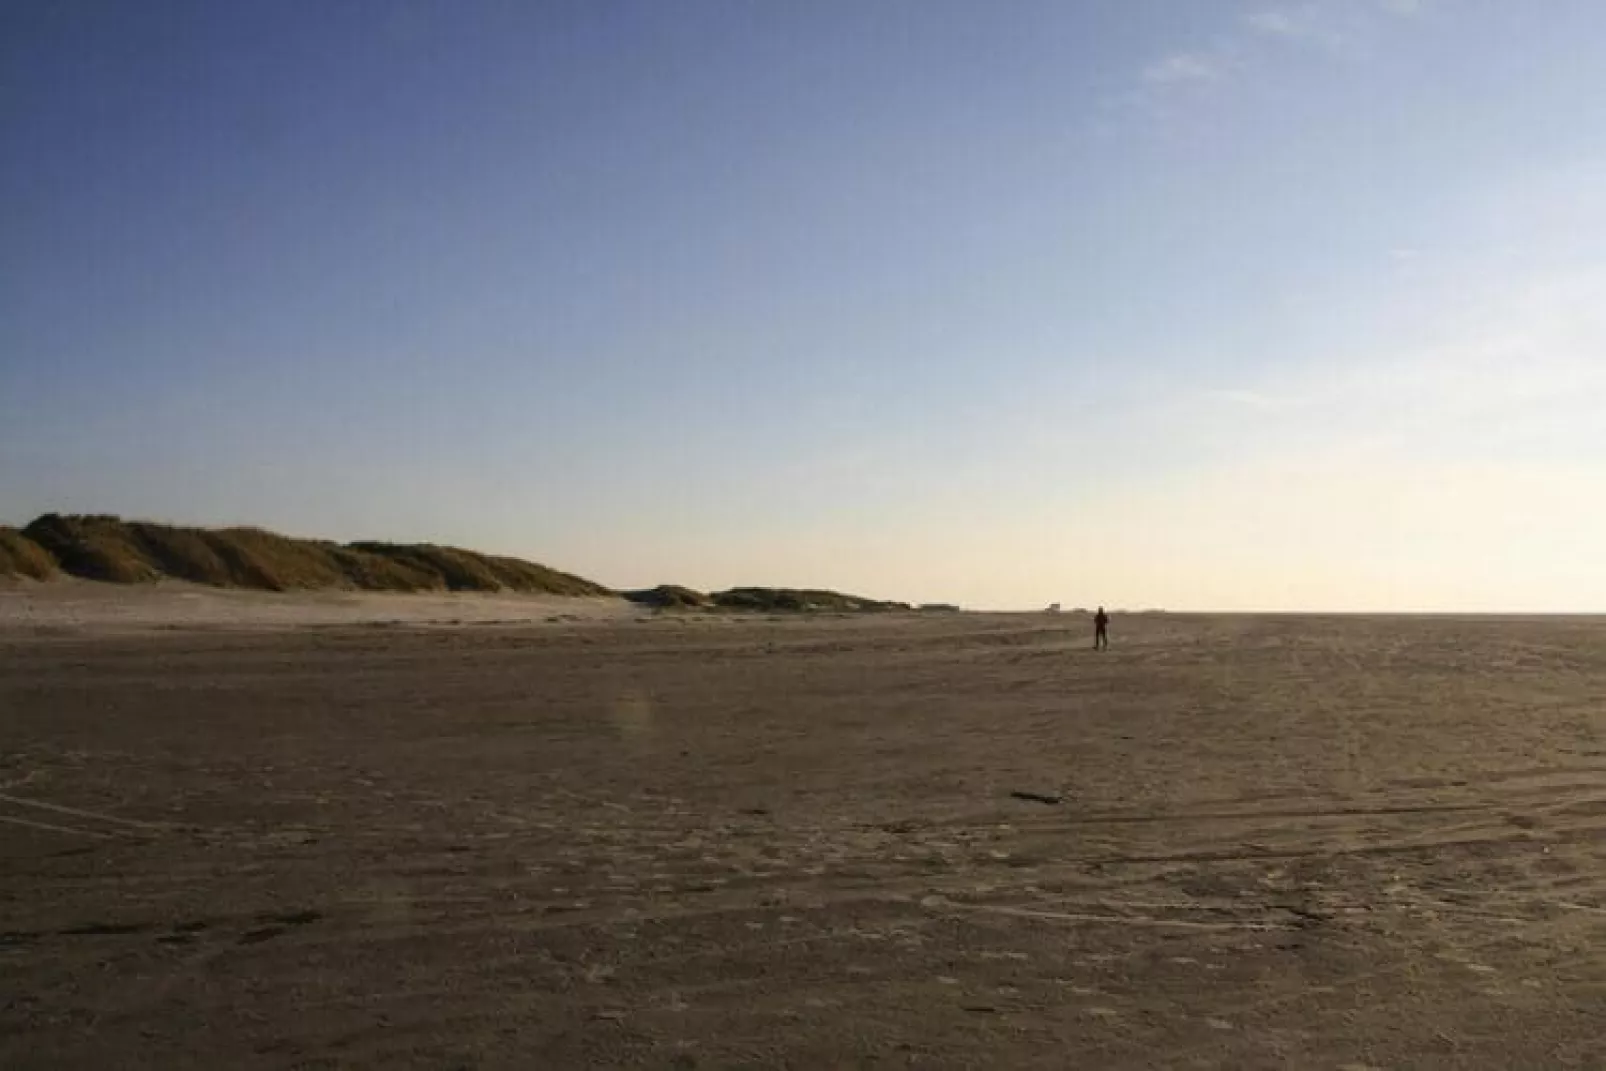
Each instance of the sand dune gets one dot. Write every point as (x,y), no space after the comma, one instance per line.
(685,842)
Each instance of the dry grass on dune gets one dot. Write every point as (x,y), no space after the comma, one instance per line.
(107,548)
(21,556)
(462,570)
(763,600)
(670,597)
(794,599)
(94,547)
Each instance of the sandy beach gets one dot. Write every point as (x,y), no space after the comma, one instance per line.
(270,831)
(69,606)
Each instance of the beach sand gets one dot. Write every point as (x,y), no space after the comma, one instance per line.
(286,831)
(81,606)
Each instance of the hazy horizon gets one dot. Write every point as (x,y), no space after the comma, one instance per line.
(1273,306)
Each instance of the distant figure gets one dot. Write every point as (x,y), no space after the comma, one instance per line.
(1101,630)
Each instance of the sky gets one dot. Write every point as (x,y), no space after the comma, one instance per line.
(1148,303)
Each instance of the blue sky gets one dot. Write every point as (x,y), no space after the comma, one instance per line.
(1194,305)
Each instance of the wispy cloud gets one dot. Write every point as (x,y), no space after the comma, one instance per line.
(1327,24)
(1305,24)
(1284,22)
(1182,67)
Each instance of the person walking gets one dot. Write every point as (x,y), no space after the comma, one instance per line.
(1101,630)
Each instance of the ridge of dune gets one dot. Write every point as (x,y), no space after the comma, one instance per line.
(107,548)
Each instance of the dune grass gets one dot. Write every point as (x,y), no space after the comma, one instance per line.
(21,556)
(108,548)
(94,547)
(804,600)
(670,597)
(463,570)
(761,600)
